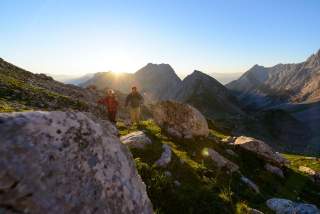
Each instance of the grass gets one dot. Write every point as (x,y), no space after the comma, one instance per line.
(205,188)
(300,160)
(18,95)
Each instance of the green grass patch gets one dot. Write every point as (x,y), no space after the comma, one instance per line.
(203,188)
(301,160)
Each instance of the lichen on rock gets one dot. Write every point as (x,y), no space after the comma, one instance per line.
(66,162)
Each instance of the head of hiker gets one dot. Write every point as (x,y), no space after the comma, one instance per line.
(110,92)
(134,101)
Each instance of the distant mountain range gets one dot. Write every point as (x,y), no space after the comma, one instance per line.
(293,88)
(71,79)
(262,87)
(160,82)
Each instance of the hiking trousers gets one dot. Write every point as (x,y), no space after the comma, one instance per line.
(135,114)
(112,116)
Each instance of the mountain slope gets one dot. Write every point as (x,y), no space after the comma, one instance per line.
(208,95)
(117,81)
(262,87)
(158,81)
(23,90)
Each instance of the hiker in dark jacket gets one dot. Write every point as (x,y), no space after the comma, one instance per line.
(134,100)
(111,102)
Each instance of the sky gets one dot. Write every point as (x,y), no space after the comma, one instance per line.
(75,37)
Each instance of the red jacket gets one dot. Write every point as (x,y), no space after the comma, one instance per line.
(109,101)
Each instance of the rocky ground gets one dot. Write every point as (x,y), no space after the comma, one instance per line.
(215,175)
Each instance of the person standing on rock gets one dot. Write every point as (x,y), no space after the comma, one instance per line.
(111,102)
(134,100)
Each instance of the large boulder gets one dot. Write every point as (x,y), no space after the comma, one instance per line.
(261,149)
(137,139)
(284,206)
(180,120)
(66,162)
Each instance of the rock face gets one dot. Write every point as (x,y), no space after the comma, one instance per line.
(180,120)
(284,206)
(262,86)
(222,162)
(159,80)
(65,162)
(208,95)
(165,158)
(136,139)
(261,149)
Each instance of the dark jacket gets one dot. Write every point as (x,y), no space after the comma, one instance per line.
(134,100)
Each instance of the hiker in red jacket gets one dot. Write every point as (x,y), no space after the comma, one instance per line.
(111,102)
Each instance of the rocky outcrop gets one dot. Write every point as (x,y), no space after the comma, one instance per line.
(180,120)
(165,158)
(284,206)
(274,170)
(261,149)
(65,162)
(221,162)
(136,139)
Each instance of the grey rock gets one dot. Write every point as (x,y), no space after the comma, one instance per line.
(165,158)
(136,139)
(261,149)
(222,162)
(250,183)
(65,162)
(177,183)
(168,173)
(180,120)
(284,206)
(254,211)
(273,169)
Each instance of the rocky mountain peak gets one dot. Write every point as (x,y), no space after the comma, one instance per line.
(199,74)
(155,68)
(314,59)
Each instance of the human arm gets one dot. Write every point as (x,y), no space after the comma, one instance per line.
(141,99)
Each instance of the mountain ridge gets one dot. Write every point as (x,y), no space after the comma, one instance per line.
(293,83)
(160,82)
